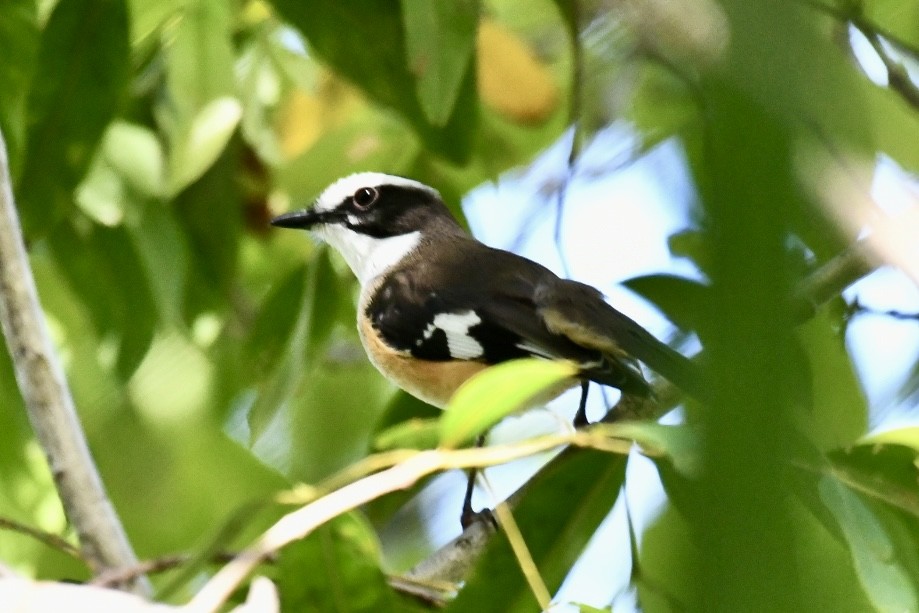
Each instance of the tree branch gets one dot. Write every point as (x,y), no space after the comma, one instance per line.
(48,400)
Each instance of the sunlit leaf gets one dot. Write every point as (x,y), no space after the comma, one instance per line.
(137,155)
(208,134)
(79,80)
(500,391)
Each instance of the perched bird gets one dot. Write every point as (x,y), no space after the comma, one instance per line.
(437,306)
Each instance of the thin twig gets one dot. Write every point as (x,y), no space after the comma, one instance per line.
(121,576)
(46,538)
(49,402)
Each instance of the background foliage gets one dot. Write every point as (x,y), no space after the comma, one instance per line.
(215,362)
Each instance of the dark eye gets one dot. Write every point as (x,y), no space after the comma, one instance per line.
(365,197)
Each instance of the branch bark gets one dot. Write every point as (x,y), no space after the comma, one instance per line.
(49,402)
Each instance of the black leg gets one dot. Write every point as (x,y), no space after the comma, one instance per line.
(580,418)
(468,516)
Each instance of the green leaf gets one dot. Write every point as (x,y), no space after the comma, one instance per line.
(557,515)
(882,576)
(679,445)
(840,413)
(137,155)
(208,134)
(896,17)
(18,46)
(411,434)
(341,33)
(439,39)
(895,125)
(164,254)
(682,300)
(886,472)
(199,60)
(102,267)
(368,141)
(79,80)
(337,568)
(907,436)
(500,391)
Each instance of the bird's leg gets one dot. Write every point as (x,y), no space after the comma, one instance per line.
(580,418)
(468,516)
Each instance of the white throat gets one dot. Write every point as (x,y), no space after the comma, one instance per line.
(368,256)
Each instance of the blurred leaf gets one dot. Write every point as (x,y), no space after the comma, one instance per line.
(19,46)
(410,434)
(907,436)
(883,471)
(682,300)
(895,125)
(210,213)
(692,245)
(439,40)
(208,133)
(336,568)
(897,17)
(276,321)
(339,33)
(557,515)
(499,391)
(79,80)
(164,255)
(137,155)
(840,413)
(334,410)
(511,79)
(102,267)
(291,333)
(369,141)
(147,16)
(677,444)
(661,105)
(199,60)
(884,579)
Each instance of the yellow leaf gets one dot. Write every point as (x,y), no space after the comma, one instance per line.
(511,79)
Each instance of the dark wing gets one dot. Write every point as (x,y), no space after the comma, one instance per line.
(578,312)
(492,306)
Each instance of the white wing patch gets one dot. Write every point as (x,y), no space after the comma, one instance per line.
(456,326)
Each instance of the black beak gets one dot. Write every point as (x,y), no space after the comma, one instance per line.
(305,219)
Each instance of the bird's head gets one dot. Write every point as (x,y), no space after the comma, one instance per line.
(373,219)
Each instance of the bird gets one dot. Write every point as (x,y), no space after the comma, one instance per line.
(436,306)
